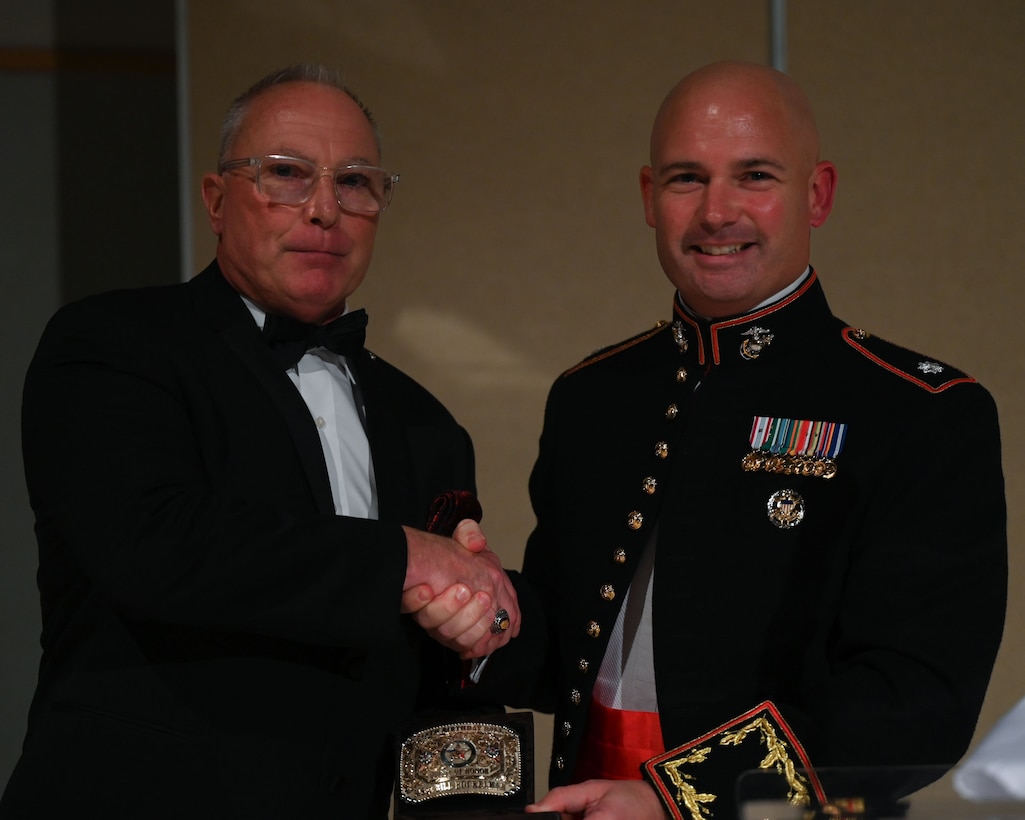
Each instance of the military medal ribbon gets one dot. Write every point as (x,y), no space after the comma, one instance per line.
(795,446)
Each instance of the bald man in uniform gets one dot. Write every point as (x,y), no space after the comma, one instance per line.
(754,521)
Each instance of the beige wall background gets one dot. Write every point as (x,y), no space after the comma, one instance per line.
(516,243)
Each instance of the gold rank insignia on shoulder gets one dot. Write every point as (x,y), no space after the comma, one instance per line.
(794,447)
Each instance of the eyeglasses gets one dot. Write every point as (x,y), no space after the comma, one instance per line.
(364,189)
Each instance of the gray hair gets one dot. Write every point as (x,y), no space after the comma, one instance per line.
(235,116)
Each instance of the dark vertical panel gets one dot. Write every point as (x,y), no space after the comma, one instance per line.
(117,138)
(28,260)
(89,203)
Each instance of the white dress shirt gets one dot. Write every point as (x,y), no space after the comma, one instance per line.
(327,384)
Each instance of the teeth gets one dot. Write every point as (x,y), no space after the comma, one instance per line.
(721,250)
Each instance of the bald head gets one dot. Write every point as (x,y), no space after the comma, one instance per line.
(735,186)
(742,92)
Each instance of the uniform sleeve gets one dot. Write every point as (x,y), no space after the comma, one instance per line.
(923,601)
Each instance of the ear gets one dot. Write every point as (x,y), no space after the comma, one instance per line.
(648,194)
(821,192)
(213,199)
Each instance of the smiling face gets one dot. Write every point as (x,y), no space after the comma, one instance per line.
(297,260)
(734,186)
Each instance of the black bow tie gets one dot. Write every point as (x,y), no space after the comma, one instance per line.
(289,338)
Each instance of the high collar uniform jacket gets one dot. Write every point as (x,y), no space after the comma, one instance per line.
(868,606)
(216,641)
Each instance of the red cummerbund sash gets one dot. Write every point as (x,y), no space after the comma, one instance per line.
(616,743)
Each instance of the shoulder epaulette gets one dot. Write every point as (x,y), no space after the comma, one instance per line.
(612,350)
(927,373)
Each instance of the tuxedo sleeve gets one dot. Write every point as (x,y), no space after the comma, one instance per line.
(165,481)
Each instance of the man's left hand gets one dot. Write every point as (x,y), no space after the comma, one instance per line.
(603,800)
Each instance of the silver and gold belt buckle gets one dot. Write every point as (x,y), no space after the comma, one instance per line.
(460,758)
(466,765)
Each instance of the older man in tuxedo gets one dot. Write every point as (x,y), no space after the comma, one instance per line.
(229,491)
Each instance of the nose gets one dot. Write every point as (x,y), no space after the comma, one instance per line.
(718,206)
(322,208)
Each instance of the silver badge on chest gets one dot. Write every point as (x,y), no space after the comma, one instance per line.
(785,509)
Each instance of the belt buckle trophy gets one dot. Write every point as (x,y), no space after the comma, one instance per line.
(472,766)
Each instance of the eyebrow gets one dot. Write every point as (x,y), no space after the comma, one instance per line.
(357,160)
(740,165)
(759,162)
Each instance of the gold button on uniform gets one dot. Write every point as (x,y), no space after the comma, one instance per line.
(575,697)
(607,592)
(567,727)
(634,520)
(672,411)
(649,485)
(662,449)
(681,375)
(593,629)
(583,664)
(619,556)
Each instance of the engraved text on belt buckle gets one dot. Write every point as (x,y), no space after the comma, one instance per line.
(460,758)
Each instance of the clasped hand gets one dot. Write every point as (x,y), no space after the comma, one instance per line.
(454,586)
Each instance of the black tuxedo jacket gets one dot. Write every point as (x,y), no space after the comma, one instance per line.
(216,641)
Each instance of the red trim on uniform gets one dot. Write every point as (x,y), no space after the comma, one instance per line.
(751,317)
(847,334)
(597,357)
(715,327)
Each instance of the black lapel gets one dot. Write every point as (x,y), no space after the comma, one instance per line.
(220,307)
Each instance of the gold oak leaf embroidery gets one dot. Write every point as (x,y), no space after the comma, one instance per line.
(777,758)
(686,794)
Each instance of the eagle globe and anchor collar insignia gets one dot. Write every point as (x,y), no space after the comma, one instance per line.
(756,339)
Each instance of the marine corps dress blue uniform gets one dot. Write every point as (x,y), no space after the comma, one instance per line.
(830,533)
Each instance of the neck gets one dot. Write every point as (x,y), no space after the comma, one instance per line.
(776,297)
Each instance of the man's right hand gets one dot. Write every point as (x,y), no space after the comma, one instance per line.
(454,587)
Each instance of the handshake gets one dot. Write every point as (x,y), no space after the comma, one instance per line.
(455,587)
